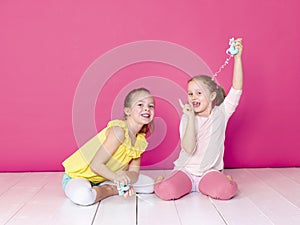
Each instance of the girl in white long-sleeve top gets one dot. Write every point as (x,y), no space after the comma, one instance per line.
(202,132)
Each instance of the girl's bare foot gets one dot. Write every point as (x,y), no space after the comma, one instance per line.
(105,191)
(229,177)
(159,179)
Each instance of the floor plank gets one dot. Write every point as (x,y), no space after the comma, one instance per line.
(195,208)
(240,209)
(155,211)
(293,173)
(66,212)
(266,196)
(7,180)
(268,206)
(21,191)
(13,200)
(116,210)
(280,183)
(47,204)
(69,213)
(151,208)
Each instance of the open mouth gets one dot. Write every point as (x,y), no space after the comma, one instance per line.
(196,104)
(146,115)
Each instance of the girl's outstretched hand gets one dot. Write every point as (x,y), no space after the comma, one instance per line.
(187,109)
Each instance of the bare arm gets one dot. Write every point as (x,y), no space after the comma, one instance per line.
(134,170)
(237,80)
(115,136)
(188,141)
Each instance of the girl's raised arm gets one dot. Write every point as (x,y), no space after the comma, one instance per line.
(237,80)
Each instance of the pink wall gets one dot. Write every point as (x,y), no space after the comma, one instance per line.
(66,65)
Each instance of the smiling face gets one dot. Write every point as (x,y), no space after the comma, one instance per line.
(140,107)
(200,98)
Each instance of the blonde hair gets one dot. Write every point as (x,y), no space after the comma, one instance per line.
(147,128)
(212,86)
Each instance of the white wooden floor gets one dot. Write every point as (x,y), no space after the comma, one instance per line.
(267,196)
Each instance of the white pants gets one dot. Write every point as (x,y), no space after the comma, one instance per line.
(81,192)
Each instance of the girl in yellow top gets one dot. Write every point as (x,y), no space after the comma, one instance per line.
(112,155)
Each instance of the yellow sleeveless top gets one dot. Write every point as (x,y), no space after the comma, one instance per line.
(78,164)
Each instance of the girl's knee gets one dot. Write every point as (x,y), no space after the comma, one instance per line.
(165,191)
(174,187)
(218,186)
(228,191)
(80,192)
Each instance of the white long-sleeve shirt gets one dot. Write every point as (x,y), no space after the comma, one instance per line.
(210,137)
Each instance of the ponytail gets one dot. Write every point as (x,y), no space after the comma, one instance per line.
(220,95)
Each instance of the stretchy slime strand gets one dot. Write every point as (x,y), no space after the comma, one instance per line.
(230,51)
